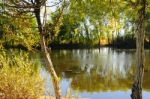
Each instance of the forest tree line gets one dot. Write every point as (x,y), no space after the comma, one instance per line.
(77,24)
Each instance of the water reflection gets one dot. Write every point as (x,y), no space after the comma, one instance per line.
(92,72)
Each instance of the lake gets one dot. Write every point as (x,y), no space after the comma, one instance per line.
(103,73)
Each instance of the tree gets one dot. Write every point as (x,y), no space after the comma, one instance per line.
(18,32)
(137,86)
(34,7)
(37,10)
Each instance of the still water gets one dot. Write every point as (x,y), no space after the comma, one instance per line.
(96,73)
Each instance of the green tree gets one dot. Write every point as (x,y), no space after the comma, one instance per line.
(18,31)
(137,86)
(34,7)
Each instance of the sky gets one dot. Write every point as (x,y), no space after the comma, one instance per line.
(49,10)
(52,2)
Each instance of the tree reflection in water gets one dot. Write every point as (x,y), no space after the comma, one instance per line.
(92,71)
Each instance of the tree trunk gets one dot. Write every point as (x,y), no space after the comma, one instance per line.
(50,68)
(87,31)
(46,55)
(137,86)
(149,39)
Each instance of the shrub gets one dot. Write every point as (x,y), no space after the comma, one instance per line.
(19,77)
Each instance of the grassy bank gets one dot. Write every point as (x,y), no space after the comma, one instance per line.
(19,77)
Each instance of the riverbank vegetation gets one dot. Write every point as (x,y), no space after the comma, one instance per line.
(19,77)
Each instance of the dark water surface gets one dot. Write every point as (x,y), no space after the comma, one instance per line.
(96,74)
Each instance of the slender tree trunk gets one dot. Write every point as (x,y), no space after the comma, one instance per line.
(137,86)
(50,68)
(99,36)
(46,55)
(149,39)
(87,31)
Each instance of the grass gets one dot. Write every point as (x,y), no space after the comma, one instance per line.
(19,77)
